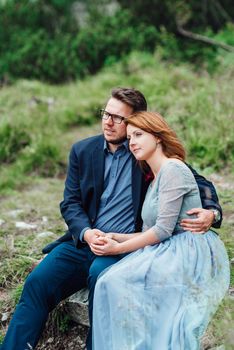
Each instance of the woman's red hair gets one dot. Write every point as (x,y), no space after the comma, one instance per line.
(154,123)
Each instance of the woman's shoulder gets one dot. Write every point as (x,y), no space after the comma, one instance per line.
(176,168)
(174,163)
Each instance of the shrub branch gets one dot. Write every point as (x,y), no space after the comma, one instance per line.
(203,38)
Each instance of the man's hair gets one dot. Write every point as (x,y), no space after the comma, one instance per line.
(133,98)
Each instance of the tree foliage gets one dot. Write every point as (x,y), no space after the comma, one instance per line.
(195,14)
(64,40)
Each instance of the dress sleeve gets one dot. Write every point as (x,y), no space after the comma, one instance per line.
(174,183)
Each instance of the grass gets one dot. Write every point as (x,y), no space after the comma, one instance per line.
(39,122)
(220,330)
(38,204)
(36,116)
(227,198)
(20,249)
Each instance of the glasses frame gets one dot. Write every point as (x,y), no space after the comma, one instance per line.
(112,116)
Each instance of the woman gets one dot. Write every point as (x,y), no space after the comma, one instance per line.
(161,296)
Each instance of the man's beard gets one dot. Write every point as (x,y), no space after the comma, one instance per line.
(117,141)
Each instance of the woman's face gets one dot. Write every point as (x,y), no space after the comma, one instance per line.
(141,143)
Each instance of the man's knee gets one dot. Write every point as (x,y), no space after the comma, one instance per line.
(38,282)
(98,266)
(33,284)
(94,272)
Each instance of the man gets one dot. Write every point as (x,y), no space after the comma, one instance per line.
(104,191)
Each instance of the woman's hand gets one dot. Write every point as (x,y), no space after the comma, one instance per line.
(110,235)
(106,246)
(93,235)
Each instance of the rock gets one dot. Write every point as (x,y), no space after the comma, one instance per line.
(2,222)
(77,307)
(207,341)
(34,101)
(5,316)
(50,340)
(50,101)
(10,244)
(24,225)
(80,341)
(231,293)
(15,213)
(44,219)
(221,347)
(230,218)
(45,234)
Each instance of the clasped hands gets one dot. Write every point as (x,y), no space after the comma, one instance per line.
(105,243)
(101,243)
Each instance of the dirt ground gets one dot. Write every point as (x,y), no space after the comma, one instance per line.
(44,198)
(73,339)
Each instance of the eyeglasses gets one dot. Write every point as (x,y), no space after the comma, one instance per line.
(114,117)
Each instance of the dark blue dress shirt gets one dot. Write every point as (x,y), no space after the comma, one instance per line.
(115,212)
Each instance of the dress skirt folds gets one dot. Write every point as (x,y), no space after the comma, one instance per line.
(161,297)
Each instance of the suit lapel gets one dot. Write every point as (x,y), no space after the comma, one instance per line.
(136,188)
(98,169)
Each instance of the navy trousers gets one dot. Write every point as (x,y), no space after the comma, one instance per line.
(64,271)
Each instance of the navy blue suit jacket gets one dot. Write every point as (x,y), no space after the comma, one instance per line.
(84,187)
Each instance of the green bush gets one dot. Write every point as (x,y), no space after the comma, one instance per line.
(198,106)
(13,139)
(31,49)
(43,158)
(37,55)
(41,40)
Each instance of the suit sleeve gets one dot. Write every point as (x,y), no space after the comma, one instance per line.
(208,195)
(71,207)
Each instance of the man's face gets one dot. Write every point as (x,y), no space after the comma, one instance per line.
(114,133)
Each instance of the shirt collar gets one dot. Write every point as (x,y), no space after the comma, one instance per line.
(125,145)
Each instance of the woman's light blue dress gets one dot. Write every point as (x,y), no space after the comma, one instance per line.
(162,297)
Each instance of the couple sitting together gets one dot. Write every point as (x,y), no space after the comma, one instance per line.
(138,236)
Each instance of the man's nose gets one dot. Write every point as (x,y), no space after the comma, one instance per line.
(109,120)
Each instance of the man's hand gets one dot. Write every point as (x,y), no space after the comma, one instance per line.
(92,236)
(108,246)
(201,224)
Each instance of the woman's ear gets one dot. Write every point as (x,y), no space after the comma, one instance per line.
(158,140)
